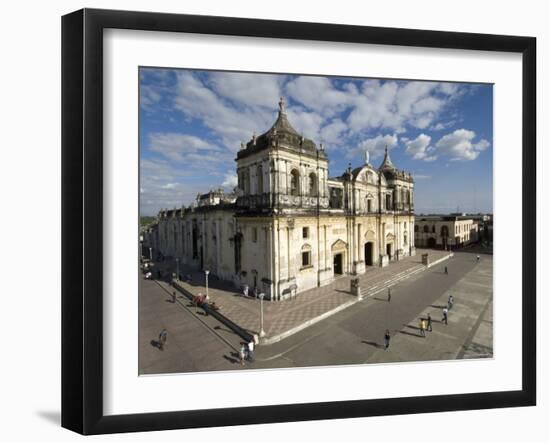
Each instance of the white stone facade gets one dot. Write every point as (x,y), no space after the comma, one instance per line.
(445,231)
(293,228)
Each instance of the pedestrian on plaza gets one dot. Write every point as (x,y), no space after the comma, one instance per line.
(450,302)
(251,351)
(445,316)
(387,339)
(430,323)
(159,274)
(206,304)
(446,270)
(242,353)
(477,258)
(389,295)
(174,297)
(255,292)
(162,339)
(245,290)
(422,328)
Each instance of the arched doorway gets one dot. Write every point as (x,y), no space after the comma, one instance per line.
(431,242)
(338,249)
(369,251)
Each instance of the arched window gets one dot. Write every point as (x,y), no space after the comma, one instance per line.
(426,229)
(444,231)
(259,180)
(405,238)
(408,197)
(294,182)
(433,229)
(312,184)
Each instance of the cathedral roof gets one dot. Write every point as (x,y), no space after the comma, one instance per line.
(390,171)
(281,134)
(387,164)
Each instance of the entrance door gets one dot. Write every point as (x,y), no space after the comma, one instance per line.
(368,254)
(338,269)
(388,250)
(431,242)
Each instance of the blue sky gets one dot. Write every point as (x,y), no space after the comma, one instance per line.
(192,123)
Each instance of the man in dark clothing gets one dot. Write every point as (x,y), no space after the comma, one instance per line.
(162,339)
(430,329)
(387,339)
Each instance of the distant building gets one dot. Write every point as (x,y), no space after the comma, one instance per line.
(290,227)
(450,231)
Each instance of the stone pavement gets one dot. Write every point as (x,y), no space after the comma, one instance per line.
(469,333)
(284,318)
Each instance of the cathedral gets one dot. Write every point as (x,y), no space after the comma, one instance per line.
(289,227)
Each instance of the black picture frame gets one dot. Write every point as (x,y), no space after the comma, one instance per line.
(82,218)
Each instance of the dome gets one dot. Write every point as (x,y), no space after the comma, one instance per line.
(281,134)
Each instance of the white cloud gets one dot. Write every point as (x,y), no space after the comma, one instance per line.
(458,145)
(333,133)
(305,122)
(395,105)
(481,145)
(231,124)
(320,95)
(230,180)
(248,89)
(419,148)
(376,146)
(442,125)
(179,147)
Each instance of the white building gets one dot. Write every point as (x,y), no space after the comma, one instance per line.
(438,231)
(292,227)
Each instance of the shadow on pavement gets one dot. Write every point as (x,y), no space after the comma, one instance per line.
(410,333)
(372,343)
(232,358)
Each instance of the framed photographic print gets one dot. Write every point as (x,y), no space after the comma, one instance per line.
(267,221)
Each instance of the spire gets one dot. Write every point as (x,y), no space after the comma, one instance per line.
(282,105)
(282,124)
(386,163)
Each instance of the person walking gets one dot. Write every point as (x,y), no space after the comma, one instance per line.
(174,297)
(389,295)
(430,329)
(251,351)
(387,339)
(162,339)
(445,316)
(242,353)
(245,290)
(477,258)
(446,270)
(422,328)
(450,302)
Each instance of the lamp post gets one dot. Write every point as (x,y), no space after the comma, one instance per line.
(261,297)
(206,272)
(177,268)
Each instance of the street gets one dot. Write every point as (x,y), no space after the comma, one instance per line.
(352,336)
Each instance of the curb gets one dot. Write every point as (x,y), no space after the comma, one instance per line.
(294,330)
(247,336)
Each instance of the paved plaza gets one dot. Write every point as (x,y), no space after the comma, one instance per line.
(284,318)
(349,335)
